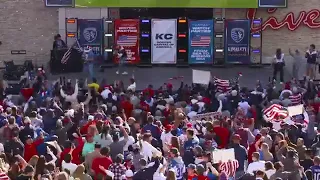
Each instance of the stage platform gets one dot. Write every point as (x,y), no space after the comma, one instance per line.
(159,75)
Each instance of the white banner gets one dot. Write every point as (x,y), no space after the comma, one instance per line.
(164,41)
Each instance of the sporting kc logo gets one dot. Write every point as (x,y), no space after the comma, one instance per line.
(237,34)
(90,34)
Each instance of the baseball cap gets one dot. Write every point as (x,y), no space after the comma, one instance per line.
(90,118)
(168,127)
(129,173)
(192,166)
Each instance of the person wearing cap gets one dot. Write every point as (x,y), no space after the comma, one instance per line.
(117,146)
(117,168)
(31,147)
(136,156)
(191,172)
(240,152)
(201,173)
(166,137)
(177,163)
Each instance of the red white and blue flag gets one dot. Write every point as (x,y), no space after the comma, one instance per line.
(201,41)
(125,40)
(229,167)
(275,112)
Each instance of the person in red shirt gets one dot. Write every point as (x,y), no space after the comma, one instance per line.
(201,173)
(31,147)
(127,106)
(149,91)
(252,148)
(191,172)
(104,161)
(223,133)
(76,150)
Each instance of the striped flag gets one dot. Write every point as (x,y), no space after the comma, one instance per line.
(201,41)
(229,167)
(75,46)
(127,40)
(222,85)
(295,99)
(275,111)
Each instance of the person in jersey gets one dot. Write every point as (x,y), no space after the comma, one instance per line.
(177,163)
(278,64)
(89,60)
(316,168)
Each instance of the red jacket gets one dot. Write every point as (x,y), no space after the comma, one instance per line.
(76,153)
(31,149)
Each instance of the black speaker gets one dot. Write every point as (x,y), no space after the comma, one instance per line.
(182,42)
(145,42)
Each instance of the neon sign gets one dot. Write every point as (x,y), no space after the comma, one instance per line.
(309,19)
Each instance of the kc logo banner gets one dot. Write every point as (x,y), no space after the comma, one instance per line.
(90,32)
(237,41)
(164,41)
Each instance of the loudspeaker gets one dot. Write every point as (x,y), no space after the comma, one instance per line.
(145,42)
(182,42)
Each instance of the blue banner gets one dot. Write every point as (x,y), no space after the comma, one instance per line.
(90,33)
(59,3)
(237,45)
(200,41)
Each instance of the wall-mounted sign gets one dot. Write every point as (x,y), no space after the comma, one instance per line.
(168,3)
(18,52)
(292,22)
(59,3)
(273,3)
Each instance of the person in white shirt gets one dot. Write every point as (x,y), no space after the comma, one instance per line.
(147,149)
(278,64)
(244,106)
(256,164)
(194,111)
(166,138)
(132,86)
(67,164)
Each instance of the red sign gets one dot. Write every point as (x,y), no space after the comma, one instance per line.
(127,36)
(309,19)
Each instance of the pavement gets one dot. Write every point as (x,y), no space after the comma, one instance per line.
(159,75)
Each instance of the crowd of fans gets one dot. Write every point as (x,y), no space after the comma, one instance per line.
(75,130)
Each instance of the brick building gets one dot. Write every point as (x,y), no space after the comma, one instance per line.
(29,25)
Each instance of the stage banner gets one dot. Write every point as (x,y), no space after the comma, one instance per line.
(127,35)
(237,45)
(200,41)
(164,41)
(90,33)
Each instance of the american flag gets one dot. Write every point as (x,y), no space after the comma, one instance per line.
(225,85)
(229,167)
(275,111)
(127,40)
(75,46)
(201,41)
(295,99)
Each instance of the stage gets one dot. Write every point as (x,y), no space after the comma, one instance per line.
(159,75)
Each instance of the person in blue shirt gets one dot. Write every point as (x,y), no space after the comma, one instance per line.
(316,168)
(177,163)
(89,60)
(154,130)
(188,156)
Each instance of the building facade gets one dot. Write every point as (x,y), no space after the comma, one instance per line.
(29,25)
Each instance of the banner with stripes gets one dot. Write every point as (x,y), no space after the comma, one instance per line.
(74,49)
(201,41)
(127,34)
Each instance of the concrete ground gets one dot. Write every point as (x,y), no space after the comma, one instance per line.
(159,75)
